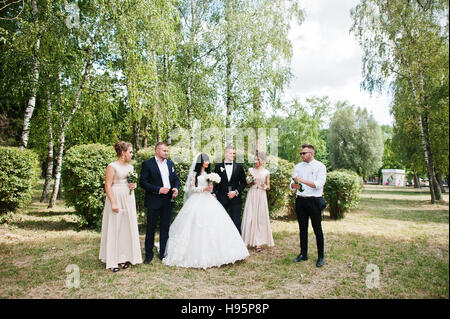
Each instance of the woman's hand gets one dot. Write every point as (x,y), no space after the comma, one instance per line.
(209,188)
(132,185)
(115,208)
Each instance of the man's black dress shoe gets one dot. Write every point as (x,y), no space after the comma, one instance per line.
(148,260)
(300,258)
(320,262)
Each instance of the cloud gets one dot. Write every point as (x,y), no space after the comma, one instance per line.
(327,58)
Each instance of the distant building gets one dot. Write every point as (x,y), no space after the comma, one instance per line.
(394,177)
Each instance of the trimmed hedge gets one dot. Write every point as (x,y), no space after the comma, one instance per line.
(280,200)
(341,192)
(83,179)
(19,172)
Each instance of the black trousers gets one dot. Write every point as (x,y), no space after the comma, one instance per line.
(305,208)
(233,208)
(164,214)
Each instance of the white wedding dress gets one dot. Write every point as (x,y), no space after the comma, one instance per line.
(203,234)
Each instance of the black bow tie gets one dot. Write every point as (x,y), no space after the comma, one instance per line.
(228,163)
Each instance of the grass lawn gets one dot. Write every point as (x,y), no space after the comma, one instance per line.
(394,231)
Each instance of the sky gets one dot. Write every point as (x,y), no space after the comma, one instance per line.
(327,59)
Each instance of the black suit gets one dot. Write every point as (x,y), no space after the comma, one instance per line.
(237,182)
(158,205)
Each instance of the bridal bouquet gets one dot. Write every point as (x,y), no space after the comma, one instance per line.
(132,178)
(250,179)
(213,178)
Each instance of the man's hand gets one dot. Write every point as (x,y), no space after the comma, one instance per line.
(174,192)
(164,190)
(232,194)
(296,186)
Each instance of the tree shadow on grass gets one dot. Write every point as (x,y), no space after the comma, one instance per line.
(404,210)
(47,225)
(50,213)
(397,192)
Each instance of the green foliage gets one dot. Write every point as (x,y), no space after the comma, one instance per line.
(342,192)
(19,171)
(83,178)
(302,126)
(280,200)
(355,140)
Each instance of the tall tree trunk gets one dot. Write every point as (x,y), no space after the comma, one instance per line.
(229,62)
(416,180)
(58,169)
(136,132)
(433,181)
(66,123)
(189,76)
(256,99)
(35,82)
(166,94)
(428,163)
(439,180)
(49,173)
(145,137)
(169,137)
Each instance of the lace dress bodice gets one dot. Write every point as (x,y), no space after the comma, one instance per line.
(201,183)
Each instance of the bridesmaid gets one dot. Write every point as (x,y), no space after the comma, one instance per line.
(255,221)
(119,244)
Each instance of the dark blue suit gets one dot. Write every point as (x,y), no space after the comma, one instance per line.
(159,205)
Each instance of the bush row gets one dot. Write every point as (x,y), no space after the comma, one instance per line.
(19,172)
(83,178)
(84,172)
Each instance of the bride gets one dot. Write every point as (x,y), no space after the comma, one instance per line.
(203,234)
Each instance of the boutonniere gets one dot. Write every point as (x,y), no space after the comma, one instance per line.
(173,169)
(222,169)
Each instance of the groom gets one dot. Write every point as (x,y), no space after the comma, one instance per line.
(232,183)
(160,181)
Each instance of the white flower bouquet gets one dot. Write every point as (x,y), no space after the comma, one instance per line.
(132,178)
(213,178)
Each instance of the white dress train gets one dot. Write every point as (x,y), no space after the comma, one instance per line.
(203,234)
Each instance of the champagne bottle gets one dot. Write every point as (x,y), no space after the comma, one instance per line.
(301,187)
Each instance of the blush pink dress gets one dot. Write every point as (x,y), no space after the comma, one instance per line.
(119,241)
(255,228)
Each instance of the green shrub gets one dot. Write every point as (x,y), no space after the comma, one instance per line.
(341,192)
(279,198)
(83,178)
(19,172)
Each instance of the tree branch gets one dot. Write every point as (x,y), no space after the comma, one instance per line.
(5,5)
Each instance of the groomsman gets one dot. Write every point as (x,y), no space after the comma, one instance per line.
(231,186)
(160,181)
(311,174)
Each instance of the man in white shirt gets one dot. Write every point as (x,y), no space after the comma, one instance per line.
(310,176)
